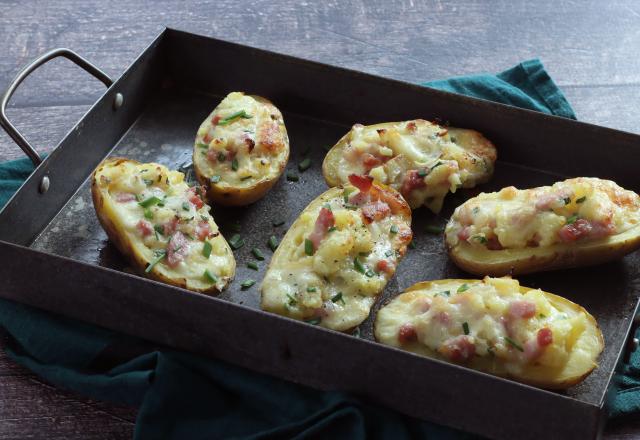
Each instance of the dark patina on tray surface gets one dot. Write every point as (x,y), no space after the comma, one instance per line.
(163,107)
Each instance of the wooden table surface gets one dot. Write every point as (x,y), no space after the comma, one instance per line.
(590,49)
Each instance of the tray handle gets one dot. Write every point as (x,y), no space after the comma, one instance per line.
(22,75)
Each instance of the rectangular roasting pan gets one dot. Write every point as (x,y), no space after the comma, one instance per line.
(152,113)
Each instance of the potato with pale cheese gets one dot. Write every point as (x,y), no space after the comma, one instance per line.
(422,160)
(496,326)
(161,225)
(338,255)
(576,222)
(240,150)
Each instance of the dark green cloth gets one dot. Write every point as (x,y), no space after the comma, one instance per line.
(185,396)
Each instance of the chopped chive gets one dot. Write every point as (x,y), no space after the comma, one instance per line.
(292,176)
(273,243)
(292,300)
(159,256)
(186,206)
(581,199)
(215,179)
(313,321)
(422,173)
(246,177)
(465,328)
(358,265)
(571,220)
(159,229)
(412,245)
(481,238)
(433,229)
(149,202)
(369,273)
(567,200)
(311,289)
(221,157)
(304,165)
(345,194)
(234,164)
(236,242)
(278,223)
(247,283)
(514,343)
(258,254)
(210,277)
(308,247)
(148,182)
(394,229)
(475,210)
(542,316)
(337,297)
(463,288)
(444,293)
(327,206)
(364,254)
(252,265)
(351,207)
(206,249)
(148,213)
(388,253)
(202,145)
(229,119)
(436,165)
(332,228)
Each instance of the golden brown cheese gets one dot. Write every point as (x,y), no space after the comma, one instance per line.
(161,224)
(241,149)
(420,159)
(338,256)
(497,326)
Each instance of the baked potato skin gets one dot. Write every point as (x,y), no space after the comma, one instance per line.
(240,195)
(138,262)
(472,141)
(546,381)
(282,257)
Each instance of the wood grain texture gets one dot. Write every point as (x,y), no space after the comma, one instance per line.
(590,48)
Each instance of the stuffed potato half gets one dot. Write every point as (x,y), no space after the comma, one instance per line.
(338,256)
(496,326)
(420,159)
(576,222)
(161,225)
(241,149)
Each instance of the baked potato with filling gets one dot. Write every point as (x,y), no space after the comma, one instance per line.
(338,256)
(161,225)
(496,326)
(240,150)
(420,159)
(576,222)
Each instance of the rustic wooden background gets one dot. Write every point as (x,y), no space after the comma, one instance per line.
(591,49)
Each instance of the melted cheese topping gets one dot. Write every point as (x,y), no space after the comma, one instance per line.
(420,159)
(241,143)
(129,186)
(493,323)
(337,285)
(575,209)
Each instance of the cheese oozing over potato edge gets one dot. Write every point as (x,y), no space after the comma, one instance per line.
(167,223)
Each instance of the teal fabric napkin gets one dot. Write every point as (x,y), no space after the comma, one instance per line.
(186,396)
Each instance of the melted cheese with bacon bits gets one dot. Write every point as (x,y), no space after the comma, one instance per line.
(242,142)
(573,210)
(167,222)
(420,159)
(336,259)
(488,324)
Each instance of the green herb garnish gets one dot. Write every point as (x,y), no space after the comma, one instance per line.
(215,179)
(513,343)
(159,229)
(337,298)
(221,157)
(436,165)
(444,293)
(236,242)
(465,328)
(292,300)
(304,165)
(351,207)
(369,273)
(292,177)
(258,254)
(581,199)
(186,206)
(542,316)
(422,173)
(148,213)
(229,119)
(247,283)
(433,229)
(571,220)
(246,178)
(252,265)
(481,238)
(202,145)
(345,194)
(234,164)
(388,253)
(332,228)
(357,265)
(273,243)
(311,289)
(160,254)
(463,288)
(149,202)
(567,200)
(313,321)
(210,277)
(308,247)
(206,249)
(393,229)
(148,182)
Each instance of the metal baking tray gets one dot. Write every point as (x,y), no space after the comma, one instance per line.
(55,255)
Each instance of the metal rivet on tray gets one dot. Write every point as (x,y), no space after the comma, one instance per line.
(44,185)
(117,101)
